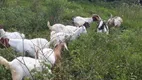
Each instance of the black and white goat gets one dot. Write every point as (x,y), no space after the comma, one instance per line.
(21,67)
(11,35)
(102,27)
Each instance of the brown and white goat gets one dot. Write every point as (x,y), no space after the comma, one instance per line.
(79,21)
(21,67)
(114,21)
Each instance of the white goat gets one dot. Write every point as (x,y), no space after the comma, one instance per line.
(114,21)
(67,29)
(57,37)
(64,33)
(21,66)
(46,54)
(102,27)
(27,46)
(79,21)
(61,28)
(11,35)
(78,32)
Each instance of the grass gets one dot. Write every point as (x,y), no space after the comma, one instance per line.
(94,56)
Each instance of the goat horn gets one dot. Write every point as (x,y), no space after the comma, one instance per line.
(65,45)
(111,15)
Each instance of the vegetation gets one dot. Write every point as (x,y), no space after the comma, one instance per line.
(117,56)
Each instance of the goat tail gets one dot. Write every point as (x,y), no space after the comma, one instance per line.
(49,26)
(4,62)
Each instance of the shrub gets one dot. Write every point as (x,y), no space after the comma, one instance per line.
(56,10)
(93,56)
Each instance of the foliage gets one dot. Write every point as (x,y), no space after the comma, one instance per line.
(56,10)
(94,56)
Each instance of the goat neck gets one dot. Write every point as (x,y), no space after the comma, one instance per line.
(86,24)
(101,25)
(57,51)
(89,20)
(5,42)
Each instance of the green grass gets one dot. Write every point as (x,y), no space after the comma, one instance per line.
(94,56)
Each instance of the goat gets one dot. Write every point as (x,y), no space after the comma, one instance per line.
(78,32)
(22,66)
(67,29)
(114,21)
(79,21)
(102,27)
(56,37)
(27,46)
(52,55)
(61,28)
(11,35)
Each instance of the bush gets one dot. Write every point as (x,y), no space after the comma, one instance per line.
(92,56)
(101,57)
(56,10)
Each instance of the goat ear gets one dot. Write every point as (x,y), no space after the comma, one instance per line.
(2,39)
(96,18)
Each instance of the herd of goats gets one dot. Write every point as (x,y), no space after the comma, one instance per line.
(38,50)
